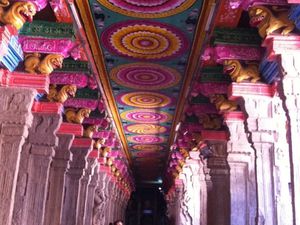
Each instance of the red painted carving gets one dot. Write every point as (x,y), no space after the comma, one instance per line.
(102,134)
(47,107)
(278,44)
(81,103)
(223,52)
(234,116)
(250,89)
(199,109)
(229,14)
(78,79)
(210,135)
(45,45)
(18,79)
(61,11)
(248,3)
(94,154)
(40,4)
(208,89)
(71,128)
(82,143)
(101,122)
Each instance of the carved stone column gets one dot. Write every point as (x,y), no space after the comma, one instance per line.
(15,118)
(80,150)
(101,198)
(242,172)
(56,179)
(36,156)
(88,216)
(218,196)
(266,124)
(83,187)
(195,191)
(111,189)
(290,84)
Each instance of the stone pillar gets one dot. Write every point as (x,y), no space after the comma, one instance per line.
(195,191)
(84,184)
(80,150)
(100,216)
(15,118)
(36,156)
(291,97)
(88,216)
(218,196)
(56,179)
(111,189)
(242,172)
(266,126)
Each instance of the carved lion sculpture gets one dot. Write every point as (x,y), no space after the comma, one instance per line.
(210,121)
(89,131)
(266,22)
(17,14)
(104,152)
(99,143)
(222,104)
(238,73)
(73,116)
(63,94)
(33,63)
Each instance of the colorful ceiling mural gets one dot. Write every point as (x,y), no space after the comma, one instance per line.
(142,51)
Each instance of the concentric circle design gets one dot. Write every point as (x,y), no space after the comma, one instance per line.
(147,147)
(145,129)
(145,76)
(144,40)
(146,139)
(143,99)
(146,116)
(146,8)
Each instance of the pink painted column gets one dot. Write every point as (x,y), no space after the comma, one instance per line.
(83,187)
(15,119)
(58,167)
(100,216)
(266,124)
(88,216)
(36,155)
(80,150)
(241,162)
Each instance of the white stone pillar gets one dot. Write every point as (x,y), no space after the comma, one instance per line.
(241,162)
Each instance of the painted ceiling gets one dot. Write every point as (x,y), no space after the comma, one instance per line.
(142,49)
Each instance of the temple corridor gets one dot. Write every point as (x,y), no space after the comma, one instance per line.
(149,112)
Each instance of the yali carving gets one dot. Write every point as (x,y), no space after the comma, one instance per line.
(74,116)
(63,94)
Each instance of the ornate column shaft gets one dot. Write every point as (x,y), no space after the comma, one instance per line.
(88,216)
(218,196)
(36,156)
(290,83)
(195,191)
(56,179)
(83,187)
(242,172)
(80,150)
(15,118)
(101,198)
(266,124)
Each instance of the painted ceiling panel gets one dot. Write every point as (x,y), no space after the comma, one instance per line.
(145,46)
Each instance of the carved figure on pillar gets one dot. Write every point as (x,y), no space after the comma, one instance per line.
(239,73)
(34,64)
(73,116)
(17,14)
(267,22)
(222,104)
(63,94)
